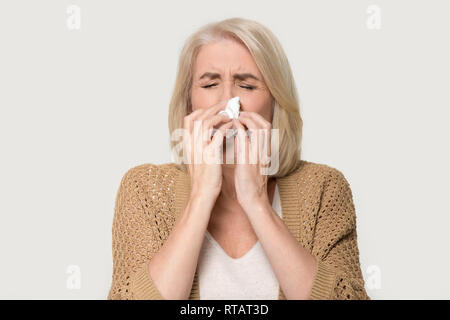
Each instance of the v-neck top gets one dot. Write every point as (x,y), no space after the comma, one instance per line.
(249,277)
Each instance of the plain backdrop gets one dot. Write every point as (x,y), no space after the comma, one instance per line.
(79,107)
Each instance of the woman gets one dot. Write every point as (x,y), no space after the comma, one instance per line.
(212,230)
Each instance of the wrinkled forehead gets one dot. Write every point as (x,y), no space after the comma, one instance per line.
(225,59)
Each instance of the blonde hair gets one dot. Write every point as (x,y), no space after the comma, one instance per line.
(275,69)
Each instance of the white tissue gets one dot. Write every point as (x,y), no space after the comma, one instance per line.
(232,110)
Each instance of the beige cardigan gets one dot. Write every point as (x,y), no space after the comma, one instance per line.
(317,207)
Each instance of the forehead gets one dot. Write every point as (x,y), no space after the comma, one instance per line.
(225,56)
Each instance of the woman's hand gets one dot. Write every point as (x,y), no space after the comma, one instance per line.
(203,153)
(253,153)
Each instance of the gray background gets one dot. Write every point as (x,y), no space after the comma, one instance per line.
(78,108)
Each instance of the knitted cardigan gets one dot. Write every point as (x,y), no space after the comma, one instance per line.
(317,207)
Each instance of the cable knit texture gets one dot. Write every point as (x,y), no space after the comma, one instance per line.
(317,207)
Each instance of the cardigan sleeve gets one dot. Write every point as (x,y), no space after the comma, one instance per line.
(132,238)
(335,247)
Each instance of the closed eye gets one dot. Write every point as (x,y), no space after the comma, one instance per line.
(214,84)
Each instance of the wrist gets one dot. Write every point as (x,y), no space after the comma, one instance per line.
(204,195)
(256,206)
(202,200)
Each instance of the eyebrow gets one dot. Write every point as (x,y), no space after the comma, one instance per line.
(239,76)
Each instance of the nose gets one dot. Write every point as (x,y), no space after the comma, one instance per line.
(229,91)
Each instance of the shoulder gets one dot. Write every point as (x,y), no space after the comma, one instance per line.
(319,172)
(150,173)
(150,176)
(330,194)
(334,192)
(322,180)
(150,188)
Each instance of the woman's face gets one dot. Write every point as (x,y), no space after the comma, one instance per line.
(226,69)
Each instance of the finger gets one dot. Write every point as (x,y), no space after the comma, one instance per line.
(188,143)
(202,133)
(188,135)
(217,142)
(198,122)
(187,147)
(193,122)
(219,135)
(222,128)
(241,143)
(259,119)
(199,141)
(253,138)
(263,135)
(210,123)
(250,124)
(199,113)
(189,119)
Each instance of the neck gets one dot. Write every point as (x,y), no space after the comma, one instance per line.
(228,193)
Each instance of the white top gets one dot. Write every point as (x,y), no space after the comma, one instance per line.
(249,277)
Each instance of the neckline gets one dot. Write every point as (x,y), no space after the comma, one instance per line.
(246,255)
(250,252)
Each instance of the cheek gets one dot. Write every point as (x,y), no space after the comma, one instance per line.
(200,99)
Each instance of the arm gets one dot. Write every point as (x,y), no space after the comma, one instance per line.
(335,245)
(173,267)
(142,269)
(331,270)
